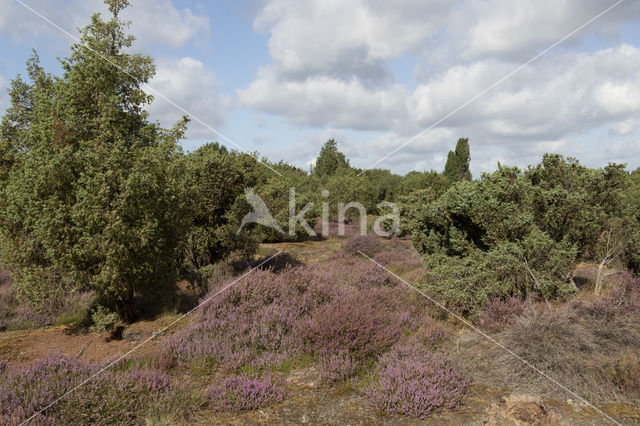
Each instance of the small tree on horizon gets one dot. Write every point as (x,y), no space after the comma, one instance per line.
(457,167)
(330,160)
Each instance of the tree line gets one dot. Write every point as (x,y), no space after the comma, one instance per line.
(94,195)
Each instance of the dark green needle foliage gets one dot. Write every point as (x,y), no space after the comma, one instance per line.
(91,192)
(457,166)
(520,232)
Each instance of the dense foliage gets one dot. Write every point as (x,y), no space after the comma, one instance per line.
(457,166)
(95,197)
(90,188)
(520,232)
(216,180)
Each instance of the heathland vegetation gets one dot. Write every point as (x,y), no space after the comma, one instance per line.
(102,215)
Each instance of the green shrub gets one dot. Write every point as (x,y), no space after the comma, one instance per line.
(514,232)
(103,319)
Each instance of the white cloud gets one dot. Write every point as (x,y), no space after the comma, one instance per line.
(323,100)
(570,93)
(518,29)
(188,83)
(160,22)
(153,21)
(623,128)
(345,38)
(331,69)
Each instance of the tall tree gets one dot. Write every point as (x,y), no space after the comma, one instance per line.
(91,191)
(458,161)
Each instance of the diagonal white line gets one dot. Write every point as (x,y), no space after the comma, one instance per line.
(153,336)
(497,83)
(492,340)
(150,88)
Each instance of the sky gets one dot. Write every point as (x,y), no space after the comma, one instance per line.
(406,78)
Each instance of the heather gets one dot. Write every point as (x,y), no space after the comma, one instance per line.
(115,396)
(498,313)
(623,298)
(16,314)
(342,311)
(239,393)
(365,244)
(413,380)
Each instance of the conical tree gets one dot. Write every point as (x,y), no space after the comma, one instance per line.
(458,161)
(330,160)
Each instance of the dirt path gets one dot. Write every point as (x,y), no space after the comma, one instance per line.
(27,345)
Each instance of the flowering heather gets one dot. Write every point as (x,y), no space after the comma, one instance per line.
(625,294)
(344,303)
(25,390)
(367,244)
(356,322)
(404,264)
(238,393)
(499,313)
(622,298)
(337,367)
(114,396)
(415,382)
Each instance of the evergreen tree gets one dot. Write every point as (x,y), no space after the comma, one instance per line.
(91,191)
(457,167)
(330,160)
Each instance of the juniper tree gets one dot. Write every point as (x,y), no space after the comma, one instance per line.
(457,166)
(90,187)
(330,160)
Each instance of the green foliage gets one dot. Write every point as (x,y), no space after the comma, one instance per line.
(90,188)
(346,187)
(457,166)
(517,232)
(520,232)
(103,319)
(216,180)
(416,181)
(632,215)
(385,186)
(330,161)
(275,191)
(411,205)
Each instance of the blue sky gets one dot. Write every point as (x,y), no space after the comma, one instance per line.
(281,77)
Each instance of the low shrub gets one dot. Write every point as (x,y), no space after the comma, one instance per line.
(577,344)
(499,313)
(622,298)
(367,244)
(114,396)
(337,366)
(345,303)
(16,315)
(239,393)
(353,322)
(103,319)
(416,382)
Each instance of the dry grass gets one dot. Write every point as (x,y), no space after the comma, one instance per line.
(594,356)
